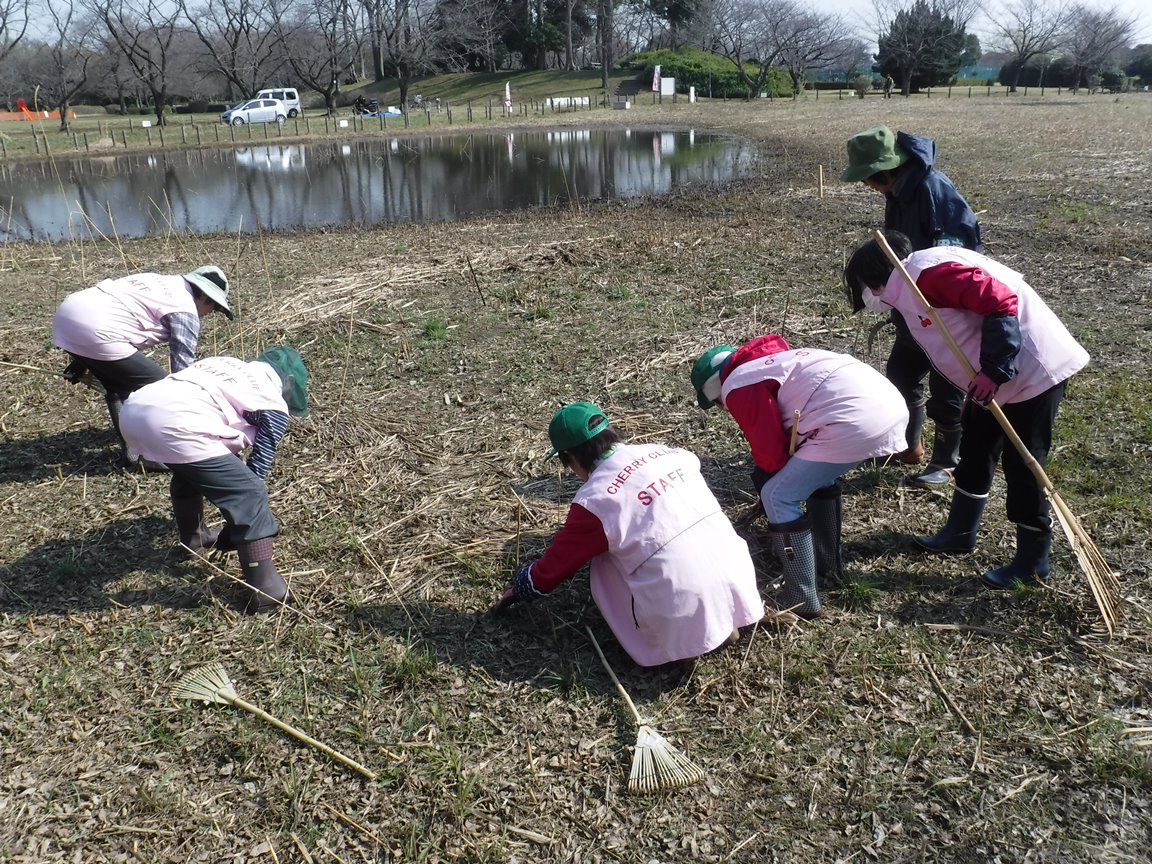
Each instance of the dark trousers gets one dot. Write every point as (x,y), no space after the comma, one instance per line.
(907,368)
(123,377)
(229,484)
(984,445)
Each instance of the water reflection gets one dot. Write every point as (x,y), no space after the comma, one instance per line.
(364,181)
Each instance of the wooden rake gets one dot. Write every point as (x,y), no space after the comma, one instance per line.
(656,765)
(1102,580)
(212,684)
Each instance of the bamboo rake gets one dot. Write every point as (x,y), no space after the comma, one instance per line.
(1102,580)
(656,764)
(212,684)
(795,433)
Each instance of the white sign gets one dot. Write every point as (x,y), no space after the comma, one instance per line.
(144,124)
(656,80)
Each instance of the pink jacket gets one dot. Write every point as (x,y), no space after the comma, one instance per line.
(117,317)
(849,412)
(967,289)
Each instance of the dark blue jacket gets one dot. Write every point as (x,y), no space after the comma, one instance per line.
(925,205)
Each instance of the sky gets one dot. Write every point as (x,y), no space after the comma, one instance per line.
(861,16)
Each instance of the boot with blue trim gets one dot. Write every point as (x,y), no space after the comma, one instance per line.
(945,457)
(1030,564)
(958,536)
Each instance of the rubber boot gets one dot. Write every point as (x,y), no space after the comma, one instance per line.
(825,509)
(269,590)
(792,543)
(1030,564)
(913,437)
(945,458)
(958,536)
(188,513)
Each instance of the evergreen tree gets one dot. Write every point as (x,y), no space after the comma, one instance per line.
(922,47)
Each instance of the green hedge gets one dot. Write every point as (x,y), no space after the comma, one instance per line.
(710,74)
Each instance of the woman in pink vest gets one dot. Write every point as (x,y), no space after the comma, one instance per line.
(809,417)
(1024,356)
(196,421)
(104,328)
(668,573)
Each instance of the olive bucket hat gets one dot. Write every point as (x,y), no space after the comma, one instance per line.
(870,151)
(212,281)
(706,374)
(290,367)
(573,424)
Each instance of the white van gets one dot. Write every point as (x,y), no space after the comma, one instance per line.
(288,95)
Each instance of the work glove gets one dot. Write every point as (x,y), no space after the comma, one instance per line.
(522,589)
(982,390)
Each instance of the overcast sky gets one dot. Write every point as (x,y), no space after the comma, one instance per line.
(861,16)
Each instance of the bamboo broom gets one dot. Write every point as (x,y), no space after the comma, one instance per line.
(656,764)
(212,684)
(1102,580)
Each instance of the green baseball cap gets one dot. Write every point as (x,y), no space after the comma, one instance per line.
(289,365)
(870,151)
(572,425)
(708,366)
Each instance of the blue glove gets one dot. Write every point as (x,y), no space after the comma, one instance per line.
(522,587)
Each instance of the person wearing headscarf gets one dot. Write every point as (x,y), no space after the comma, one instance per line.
(104,329)
(1023,356)
(921,202)
(196,422)
(668,572)
(809,416)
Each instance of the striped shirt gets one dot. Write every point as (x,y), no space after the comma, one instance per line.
(271,426)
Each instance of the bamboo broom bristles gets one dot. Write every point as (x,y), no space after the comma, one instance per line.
(1102,580)
(656,765)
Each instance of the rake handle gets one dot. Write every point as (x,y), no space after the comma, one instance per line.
(795,432)
(620,687)
(297,734)
(1037,470)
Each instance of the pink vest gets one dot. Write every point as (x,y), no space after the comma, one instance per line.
(117,317)
(849,412)
(676,579)
(1048,353)
(197,413)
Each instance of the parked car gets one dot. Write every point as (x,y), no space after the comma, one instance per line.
(255,111)
(288,95)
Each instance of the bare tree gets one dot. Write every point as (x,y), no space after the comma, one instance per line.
(747,33)
(1025,29)
(144,32)
(321,41)
(807,40)
(1095,39)
(470,33)
(407,36)
(62,70)
(238,40)
(605,30)
(13,25)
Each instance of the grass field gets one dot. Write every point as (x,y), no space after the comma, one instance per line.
(438,353)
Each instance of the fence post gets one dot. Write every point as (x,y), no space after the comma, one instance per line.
(449,108)
(469,110)
(949,91)
(232,132)
(217,130)
(428,114)
(307,126)
(124,138)
(3,148)
(75,142)
(989,89)
(183,134)
(198,141)
(148,130)
(47,149)
(86,150)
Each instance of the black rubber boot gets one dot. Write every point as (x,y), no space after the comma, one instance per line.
(269,590)
(958,536)
(913,437)
(825,509)
(1030,564)
(945,458)
(188,513)
(792,543)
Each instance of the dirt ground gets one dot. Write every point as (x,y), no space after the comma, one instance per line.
(926,720)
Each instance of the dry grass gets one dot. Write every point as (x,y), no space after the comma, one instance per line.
(929,720)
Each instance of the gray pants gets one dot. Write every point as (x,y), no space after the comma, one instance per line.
(229,484)
(123,377)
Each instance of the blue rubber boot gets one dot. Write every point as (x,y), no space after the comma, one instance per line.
(1030,564)
(958,536)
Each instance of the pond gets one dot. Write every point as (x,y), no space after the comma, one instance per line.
(358,182)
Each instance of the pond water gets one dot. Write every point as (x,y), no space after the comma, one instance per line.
(357,182)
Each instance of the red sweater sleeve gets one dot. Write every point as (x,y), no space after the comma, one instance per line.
(757,412)
(953,285)
(580,540)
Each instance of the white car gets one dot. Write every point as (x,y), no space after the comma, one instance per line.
(288,95)
(255,111)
